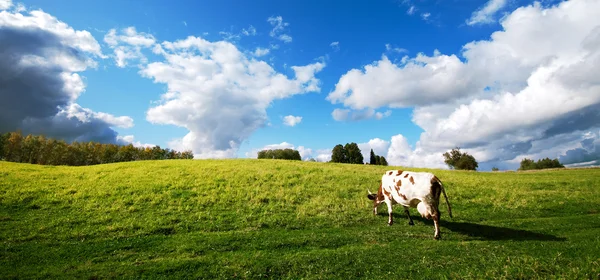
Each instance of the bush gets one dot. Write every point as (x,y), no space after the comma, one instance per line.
(460,161)
(495,169)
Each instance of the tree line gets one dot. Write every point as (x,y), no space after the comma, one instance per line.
(455,159)
(288,154)
(529,164)
(38,149)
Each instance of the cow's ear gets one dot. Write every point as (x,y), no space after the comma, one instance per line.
(372,196)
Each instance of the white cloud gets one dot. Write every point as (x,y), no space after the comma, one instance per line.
(278,28)
(486,13)
(251,31)
(184,22)
(127,45)
(229,36)
(380,147)
(418,81)
(261,52)
(358,115)
(323,155)
(389,47)
(291,120)
(530,82)
(129,36)
(129,139)
(335,46)
(285,38)
(219,94)
(411,10)
(5,4)
(425,16)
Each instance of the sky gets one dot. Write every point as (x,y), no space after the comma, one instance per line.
(410,79)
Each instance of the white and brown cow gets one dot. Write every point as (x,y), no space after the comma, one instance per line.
(419,190)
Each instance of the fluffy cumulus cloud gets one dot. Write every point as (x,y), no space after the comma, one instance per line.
(218,93)
(5,4)
(531,89)
(380,147)
(291,120)
(40,59)
(486,13)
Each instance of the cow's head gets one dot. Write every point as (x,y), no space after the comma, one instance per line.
(377,198)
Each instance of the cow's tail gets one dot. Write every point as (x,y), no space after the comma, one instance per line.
(446,197)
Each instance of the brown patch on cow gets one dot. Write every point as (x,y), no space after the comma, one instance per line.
(390,172)
(403,196)
(380,193)
(399,183)
(412,180)
(388,194)
(436,189)
(399,172)
(406,175)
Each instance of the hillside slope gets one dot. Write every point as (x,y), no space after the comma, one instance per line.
(267,218)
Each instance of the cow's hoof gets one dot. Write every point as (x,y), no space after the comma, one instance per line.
(390,224)
(436,237)
(411,223)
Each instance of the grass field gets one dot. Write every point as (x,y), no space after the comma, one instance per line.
(281,219)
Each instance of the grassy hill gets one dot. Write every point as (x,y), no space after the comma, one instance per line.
(281,219)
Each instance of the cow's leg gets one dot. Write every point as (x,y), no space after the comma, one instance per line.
(410,221)
(436,223)
(391,218)
(375,205)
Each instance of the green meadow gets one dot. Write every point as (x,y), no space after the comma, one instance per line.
(248,218)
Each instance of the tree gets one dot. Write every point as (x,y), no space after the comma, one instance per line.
(527,164)
(372,159)
(3,140)
(353,153)
(338,154)
(460,161)
(495,168)
(383,161)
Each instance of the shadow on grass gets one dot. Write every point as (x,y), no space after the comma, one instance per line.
(482,232)
(486,232)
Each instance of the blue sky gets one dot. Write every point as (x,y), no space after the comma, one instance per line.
(441,74)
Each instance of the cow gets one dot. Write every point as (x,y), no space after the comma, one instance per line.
(419,190)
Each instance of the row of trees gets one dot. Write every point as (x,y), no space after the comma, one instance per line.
(376,159)
(528,164)
(41,150)
(288,154)
(456,159)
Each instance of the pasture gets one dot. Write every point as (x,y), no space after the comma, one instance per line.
(288,219)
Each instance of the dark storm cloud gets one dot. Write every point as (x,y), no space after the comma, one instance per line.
(37,89)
